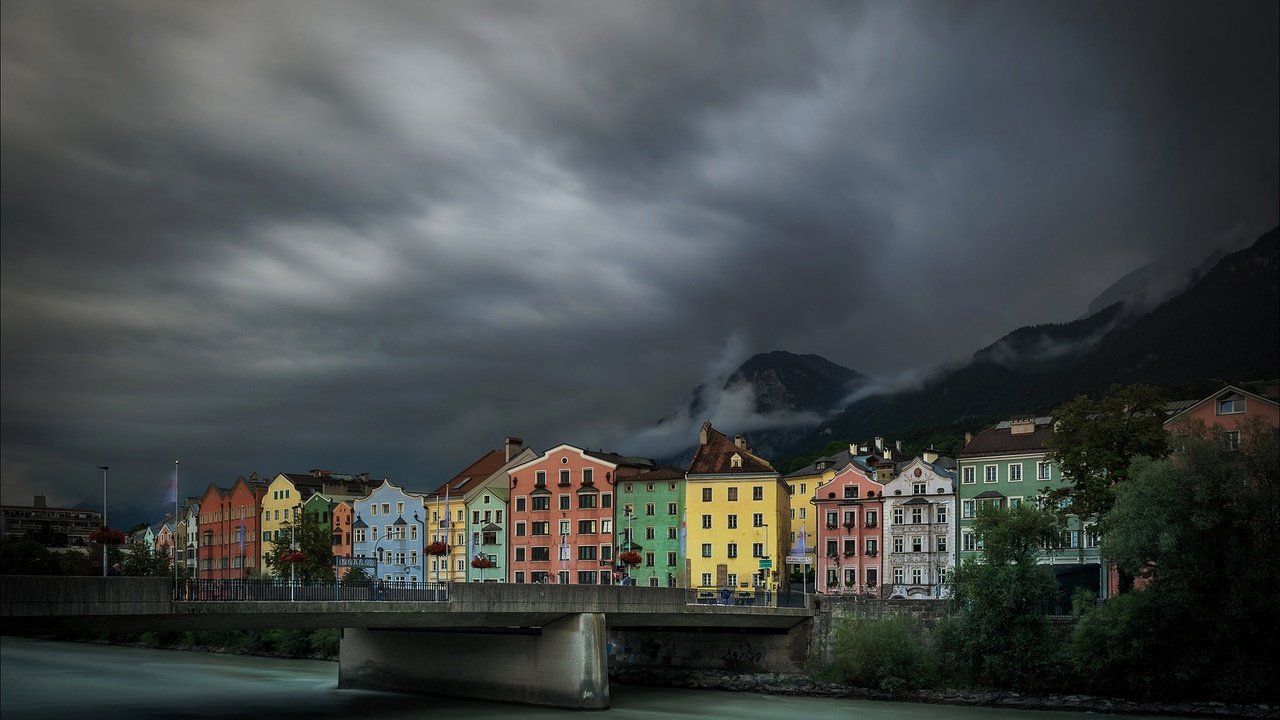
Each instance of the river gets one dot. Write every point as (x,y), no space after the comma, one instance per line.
(48,680)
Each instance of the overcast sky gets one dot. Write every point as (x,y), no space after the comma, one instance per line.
(379,237)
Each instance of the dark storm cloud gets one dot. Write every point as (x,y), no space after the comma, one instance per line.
(379,237)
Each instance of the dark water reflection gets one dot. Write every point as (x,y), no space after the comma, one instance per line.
(49,680)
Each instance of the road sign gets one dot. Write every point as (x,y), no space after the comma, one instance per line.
(360,562)
(799,560)
(766,563)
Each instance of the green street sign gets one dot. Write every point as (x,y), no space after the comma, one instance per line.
(766,563)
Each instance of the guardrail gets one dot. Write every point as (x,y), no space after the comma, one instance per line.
(209,590)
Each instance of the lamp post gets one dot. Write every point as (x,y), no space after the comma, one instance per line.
(104,469)
(293,564)
(422,539)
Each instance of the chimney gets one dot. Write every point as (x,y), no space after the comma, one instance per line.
(513,446)
(364,477)
(968,438)
(740,441)
(853,448)
(702,434)
(40,501)
(931,455)
(888,454)
(898,444)
(879,443)
(1023,425)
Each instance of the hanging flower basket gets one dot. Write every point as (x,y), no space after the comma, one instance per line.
(482,563)
(630,557)
(293,556)
(437,548)
(107,536)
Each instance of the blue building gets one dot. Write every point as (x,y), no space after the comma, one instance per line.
(390,527)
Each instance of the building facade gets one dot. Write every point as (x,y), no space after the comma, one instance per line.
(737,517)
(61,525)
(488,517)
(919,535)
(850,510)
(389,527)
(650,508)
(229,546)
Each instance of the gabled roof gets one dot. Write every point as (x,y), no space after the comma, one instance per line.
(999,440)
(620,460)
(715,457)
(1182,407)
(660,473)
(989,495)
(474,474)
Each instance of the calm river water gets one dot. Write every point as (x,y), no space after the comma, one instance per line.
(48,680)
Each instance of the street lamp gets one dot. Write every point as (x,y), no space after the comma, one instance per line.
(422,539)
(293,561)
(104,469)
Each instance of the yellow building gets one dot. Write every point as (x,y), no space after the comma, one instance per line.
(288,491)
(737,517)
(448,524)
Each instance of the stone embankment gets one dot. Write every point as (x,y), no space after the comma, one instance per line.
(783,684)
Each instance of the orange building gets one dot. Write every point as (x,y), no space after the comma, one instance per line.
(229,530)
(342,533)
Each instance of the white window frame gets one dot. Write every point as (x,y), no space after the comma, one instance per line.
(968,475)
(1015,469)
(990,474)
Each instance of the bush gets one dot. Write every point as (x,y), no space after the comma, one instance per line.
(892,654)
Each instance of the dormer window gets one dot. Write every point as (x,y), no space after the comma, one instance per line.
(735,461)
(1232,404)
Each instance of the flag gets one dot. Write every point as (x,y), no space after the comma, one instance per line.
(172,494)
(802,542)
(684,532)
(240,533)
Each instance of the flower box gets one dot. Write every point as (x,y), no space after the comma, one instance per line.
(629,557)
(437,548)
(482,563)
(107,536)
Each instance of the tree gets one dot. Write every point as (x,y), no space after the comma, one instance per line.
(1096,440)
(26,556)
(1203,526)
(314,540)
(999,629)
(142,559)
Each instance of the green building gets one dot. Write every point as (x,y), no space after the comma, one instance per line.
(650,508)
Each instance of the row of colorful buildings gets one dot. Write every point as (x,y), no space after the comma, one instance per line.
(866,520)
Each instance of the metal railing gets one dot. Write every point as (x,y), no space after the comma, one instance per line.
(210,590)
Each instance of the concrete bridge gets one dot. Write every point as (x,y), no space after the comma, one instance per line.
(537,644)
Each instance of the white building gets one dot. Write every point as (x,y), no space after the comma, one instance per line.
(920,517)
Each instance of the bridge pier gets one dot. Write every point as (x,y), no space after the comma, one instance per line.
(562,664)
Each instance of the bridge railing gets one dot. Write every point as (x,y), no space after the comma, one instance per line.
(214,590)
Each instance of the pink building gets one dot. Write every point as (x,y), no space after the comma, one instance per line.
(561,519)
(1228,410)
(850,510)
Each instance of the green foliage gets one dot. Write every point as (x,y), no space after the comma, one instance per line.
(1001,633)
(892,654)
(356,577)
(143,560)
(1201,527)
(27,557)
(315,540)
(1096,440)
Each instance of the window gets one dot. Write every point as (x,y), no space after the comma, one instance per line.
(732,579)
(850,547)
(588,476)
(564,502)
(989,474)
(542,528)
(872,576)
(586,577)
(586,552)
(966,476)
(1043,470)
(671,559)
(917,544)
(564,526)
(757,550)
(850,519)
(540,478)
(757,520)
(897,544)
(1015,502)
(671,533)
(606,526)
(966,508)
(606,500)
(898,576)
(706,494)
(966,542)
(626,488)
(1231,405)
(850,491)
(872,546)
(520,504)
(373,510)
(706,579)
(649,487)
(942,543)
(519,529)
(672,509)
(942,576)
(587,527)
(917,575)
(649,509)
(733,550)
(918,489)
(940,514)
(1231,440)
(917,515)
(706,549)
(587,500)
(1015,472)
(831,548)
(733,494)
(541,502)
(757,492)
(540,554)
(399,508)
(706,522)
(564,477)
(733,522)
(649,532)
(872,518)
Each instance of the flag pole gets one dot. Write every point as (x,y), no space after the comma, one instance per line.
(175,526)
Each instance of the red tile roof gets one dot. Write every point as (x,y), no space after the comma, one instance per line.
(474,474)
(715,457)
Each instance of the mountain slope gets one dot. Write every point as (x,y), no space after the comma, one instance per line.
(1226,326)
